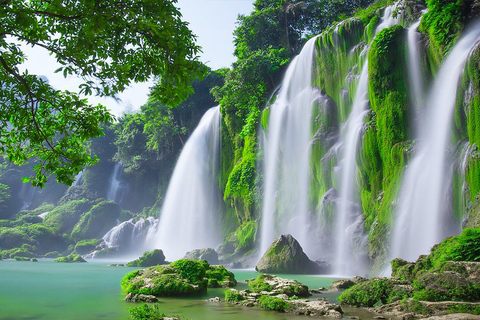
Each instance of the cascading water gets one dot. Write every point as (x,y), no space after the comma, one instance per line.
(415,75)
(113,192)
(349,251)
(286,157)
(26,194)
(420,219)
(347,208)
(189,215)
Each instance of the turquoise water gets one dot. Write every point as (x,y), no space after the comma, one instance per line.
(49,290)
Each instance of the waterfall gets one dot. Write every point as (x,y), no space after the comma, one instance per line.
(26,194)
(350,243)
(130,237)
(422,202)
(286,155)
(348,208)
(189,216)
(114,187)
(415,75)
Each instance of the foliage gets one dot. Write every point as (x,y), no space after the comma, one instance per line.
(145,312)
(464,247)
(445,286)
(97,221)
(272,303)
(64,217)
(259,285)
(87,245)
(246,234)
(193,271)
(367,293)
(233,296)
(109,45)
(148,259)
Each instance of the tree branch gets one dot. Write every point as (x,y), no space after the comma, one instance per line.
(59,16)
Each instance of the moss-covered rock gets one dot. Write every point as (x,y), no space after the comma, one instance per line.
(207,254)
(180,278)
(86,246)
(97,221)
(276,285)
(445,286)
(285,255)
(64,217)
(71,258)
(148,259)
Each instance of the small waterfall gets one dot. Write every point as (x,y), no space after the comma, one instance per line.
(113,192)
(422,203)
(189,216)
(286,158)
(415,75)
(350,244)
(78,179)
(130,237)
(26,194)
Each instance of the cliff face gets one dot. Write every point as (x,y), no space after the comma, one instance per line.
(389,138)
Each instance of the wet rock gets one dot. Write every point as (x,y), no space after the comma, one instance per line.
(208,254)
(148,259)
(342,284)
(216,299)
(140,298)
(286,255)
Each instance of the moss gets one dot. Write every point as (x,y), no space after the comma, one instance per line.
(148,259)
(246,235)
(259,284)
(464,247)
(86,246)
(71,258)
(369,293)
(233,296)
(63,218)
(272,303)
(445,286)
(97,221)
(147,312)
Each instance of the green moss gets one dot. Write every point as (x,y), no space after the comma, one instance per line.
(146,312)
(464,247)
(71,258)
(246,235)
(272,303)
(233,296)
(148,259)
(97,221)
(445,286)
(63,218)
(368,293)
(86,246)
(259,285)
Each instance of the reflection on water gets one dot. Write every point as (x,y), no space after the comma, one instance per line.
(48,290)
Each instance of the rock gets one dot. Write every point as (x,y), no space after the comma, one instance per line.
(316,308)
(448,284)
(208,254)
(342,284)
(116,265)
(455,316)
(273,285)
(216,299)
(285,255)
(34,260)
(71,258)
(148,259)
(181,278)
(140,297)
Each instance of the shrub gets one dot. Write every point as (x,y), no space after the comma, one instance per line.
(258,285)
(71,258)
(367,293)
(233,296)
(272,303)
(146,312)
(192,270)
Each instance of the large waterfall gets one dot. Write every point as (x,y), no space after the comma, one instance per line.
(423,214)
(287,151)
(189,218)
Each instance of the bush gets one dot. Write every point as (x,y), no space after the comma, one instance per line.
(464,247)
(368,293)
(192,270)
(258,285)
(147,312)
(233,296)
(272,303)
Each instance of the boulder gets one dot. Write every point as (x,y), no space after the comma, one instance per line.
(342,284)
(285,255)
(273,285)
(208,254)
(148,259)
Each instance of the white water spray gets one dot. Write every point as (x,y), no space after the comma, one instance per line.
(422,203)
(286,158)
(189,216)
(114,186)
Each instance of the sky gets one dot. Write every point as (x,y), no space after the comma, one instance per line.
(212,21)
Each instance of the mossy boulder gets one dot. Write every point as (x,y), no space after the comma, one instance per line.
(86,246)
(207,254)
(71,258)
(285,255)
(276,285)
(97,221)
(148,259)
(445,286)
(181,278)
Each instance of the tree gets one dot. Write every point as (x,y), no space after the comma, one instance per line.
(109,44)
